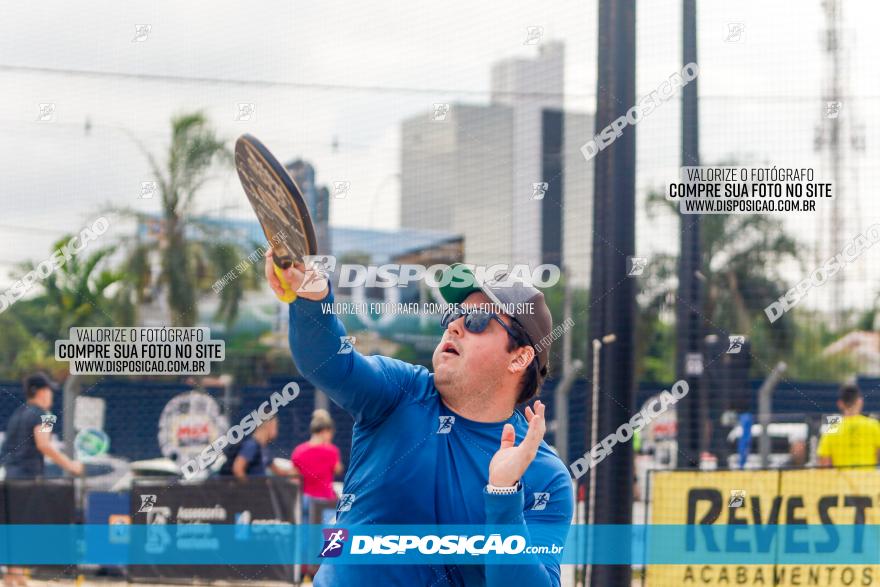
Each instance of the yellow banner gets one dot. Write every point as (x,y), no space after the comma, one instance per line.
(813,496)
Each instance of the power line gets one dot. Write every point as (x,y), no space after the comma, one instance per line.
(164,135)
(270,84)
(381,89)
(32,229)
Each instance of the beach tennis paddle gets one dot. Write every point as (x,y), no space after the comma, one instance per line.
(279,206)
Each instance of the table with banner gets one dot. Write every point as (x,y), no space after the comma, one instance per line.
(812,508)
(34,502)
(258,508)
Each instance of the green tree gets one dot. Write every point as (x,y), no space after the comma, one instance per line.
(808,360)
(82,291)
(740,272)
(20,351)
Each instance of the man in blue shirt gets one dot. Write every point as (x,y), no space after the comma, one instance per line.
(440,448)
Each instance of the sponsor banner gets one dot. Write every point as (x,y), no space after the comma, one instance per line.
(799,527)
(185,531)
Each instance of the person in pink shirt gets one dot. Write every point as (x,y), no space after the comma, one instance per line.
(317,461)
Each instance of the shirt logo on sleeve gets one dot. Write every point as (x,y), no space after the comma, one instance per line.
(345,502)
(346,345)
(446,423)
(47,422)
(541,501)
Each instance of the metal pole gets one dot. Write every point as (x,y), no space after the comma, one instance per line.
(594,440)
(688,311)
(70,391)
(569,373)
(612,291)
(765,410)
(566,312)
(228,398)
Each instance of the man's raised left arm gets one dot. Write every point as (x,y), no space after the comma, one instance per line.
(544,523)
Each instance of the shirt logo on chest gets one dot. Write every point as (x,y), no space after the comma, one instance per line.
(541,501)
(446,423)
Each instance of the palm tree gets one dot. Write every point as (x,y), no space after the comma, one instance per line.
(193,253)
(193,150)
(80,293)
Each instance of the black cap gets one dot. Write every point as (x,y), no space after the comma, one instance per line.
(522,302)
(38,381)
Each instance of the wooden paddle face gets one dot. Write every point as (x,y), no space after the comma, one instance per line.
(277,201)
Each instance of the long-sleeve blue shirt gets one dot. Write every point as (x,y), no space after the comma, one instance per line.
(412,464)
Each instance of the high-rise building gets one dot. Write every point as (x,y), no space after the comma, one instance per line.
(508,176)
(317,199)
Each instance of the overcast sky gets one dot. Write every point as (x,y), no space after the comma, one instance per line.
(350,72)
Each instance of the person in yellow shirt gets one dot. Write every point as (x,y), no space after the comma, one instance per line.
(855,441)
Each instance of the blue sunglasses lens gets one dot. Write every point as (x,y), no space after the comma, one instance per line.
(449,316)
(475,322)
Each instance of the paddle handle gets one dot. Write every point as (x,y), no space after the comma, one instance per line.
(289,295)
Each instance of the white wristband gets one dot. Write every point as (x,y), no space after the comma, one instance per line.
(503,490)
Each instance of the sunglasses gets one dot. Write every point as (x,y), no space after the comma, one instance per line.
(475,321)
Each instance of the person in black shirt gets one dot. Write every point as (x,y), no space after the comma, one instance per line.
(29,434)
(29,440)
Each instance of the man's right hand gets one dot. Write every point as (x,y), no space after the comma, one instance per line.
(76,468)
(294,276)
